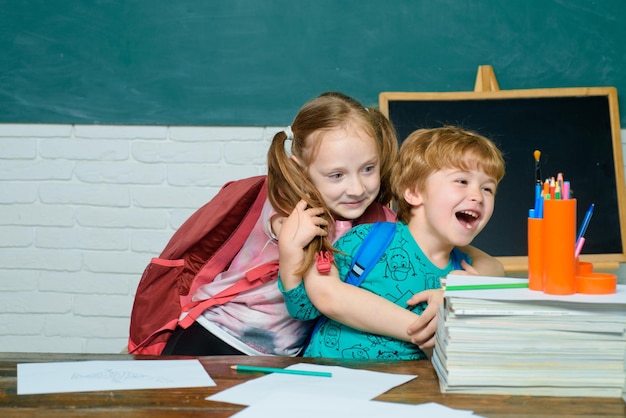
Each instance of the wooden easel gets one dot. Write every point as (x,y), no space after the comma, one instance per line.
(486,79)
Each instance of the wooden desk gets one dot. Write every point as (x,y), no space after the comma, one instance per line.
(190,402)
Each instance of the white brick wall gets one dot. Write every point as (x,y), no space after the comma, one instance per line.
(83,208)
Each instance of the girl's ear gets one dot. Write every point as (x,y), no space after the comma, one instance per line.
(413,197)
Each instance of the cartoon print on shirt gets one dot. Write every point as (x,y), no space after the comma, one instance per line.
(431,281)
(377,339)
(388,355)
(305,309)
(360,234)
(332,334)
(399,266)
(356,352)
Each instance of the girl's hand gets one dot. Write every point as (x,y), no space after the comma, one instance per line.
(302,225)
(422,331)
(295,232)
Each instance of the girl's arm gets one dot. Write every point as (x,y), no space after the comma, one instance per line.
(483,263)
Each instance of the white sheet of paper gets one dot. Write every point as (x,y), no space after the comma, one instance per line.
(293,404)
(86,376)
(619,297)
(350,383)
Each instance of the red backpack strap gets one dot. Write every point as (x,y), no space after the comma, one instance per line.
(253,278)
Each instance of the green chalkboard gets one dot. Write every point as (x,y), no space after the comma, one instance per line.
(250,62)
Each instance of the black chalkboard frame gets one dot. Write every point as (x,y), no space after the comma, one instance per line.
(391,104)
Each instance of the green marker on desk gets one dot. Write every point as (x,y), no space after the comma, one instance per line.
(241,368)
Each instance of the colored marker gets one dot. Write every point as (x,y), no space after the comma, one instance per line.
(579,247)
(557,191)
(552,187)
(241,368)
(546,188)
(565,192)
(537,191)
(538,209)
(585,224)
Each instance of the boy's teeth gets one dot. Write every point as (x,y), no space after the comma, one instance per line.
(469,213)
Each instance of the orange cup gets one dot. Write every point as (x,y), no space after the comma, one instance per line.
(559,238)
(590,283)
(535,253)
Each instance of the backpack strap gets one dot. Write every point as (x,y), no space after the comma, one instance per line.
(367,255)
(456,256)
(370,251)
(254,277)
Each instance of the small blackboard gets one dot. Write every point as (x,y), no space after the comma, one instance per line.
(577,131)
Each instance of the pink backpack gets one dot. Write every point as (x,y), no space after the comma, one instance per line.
(208,241)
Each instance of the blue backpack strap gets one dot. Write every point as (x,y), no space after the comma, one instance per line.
(456,256)
(370,251)
(367,255)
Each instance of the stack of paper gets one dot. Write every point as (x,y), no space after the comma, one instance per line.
(523,342)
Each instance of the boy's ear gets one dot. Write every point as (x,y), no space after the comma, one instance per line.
(413,197)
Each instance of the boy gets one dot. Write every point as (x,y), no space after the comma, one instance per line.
(444,183)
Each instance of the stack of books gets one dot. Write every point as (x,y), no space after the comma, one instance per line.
(516,341)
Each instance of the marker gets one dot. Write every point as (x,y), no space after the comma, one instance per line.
(585,224)
(488,286)
(552,187)
(240,368)
(537,211)
(557,191)
(565,192)
(579,247)
(546,188)
(537,191)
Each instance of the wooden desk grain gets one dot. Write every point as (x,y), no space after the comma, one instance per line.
(190,402)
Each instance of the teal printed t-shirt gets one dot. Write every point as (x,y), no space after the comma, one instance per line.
(402,271)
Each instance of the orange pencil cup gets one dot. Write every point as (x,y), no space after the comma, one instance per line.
(559,233)
(535,253)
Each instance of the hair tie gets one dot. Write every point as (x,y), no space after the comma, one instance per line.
(289,133)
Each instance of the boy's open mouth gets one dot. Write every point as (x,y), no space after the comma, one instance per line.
(468,218)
